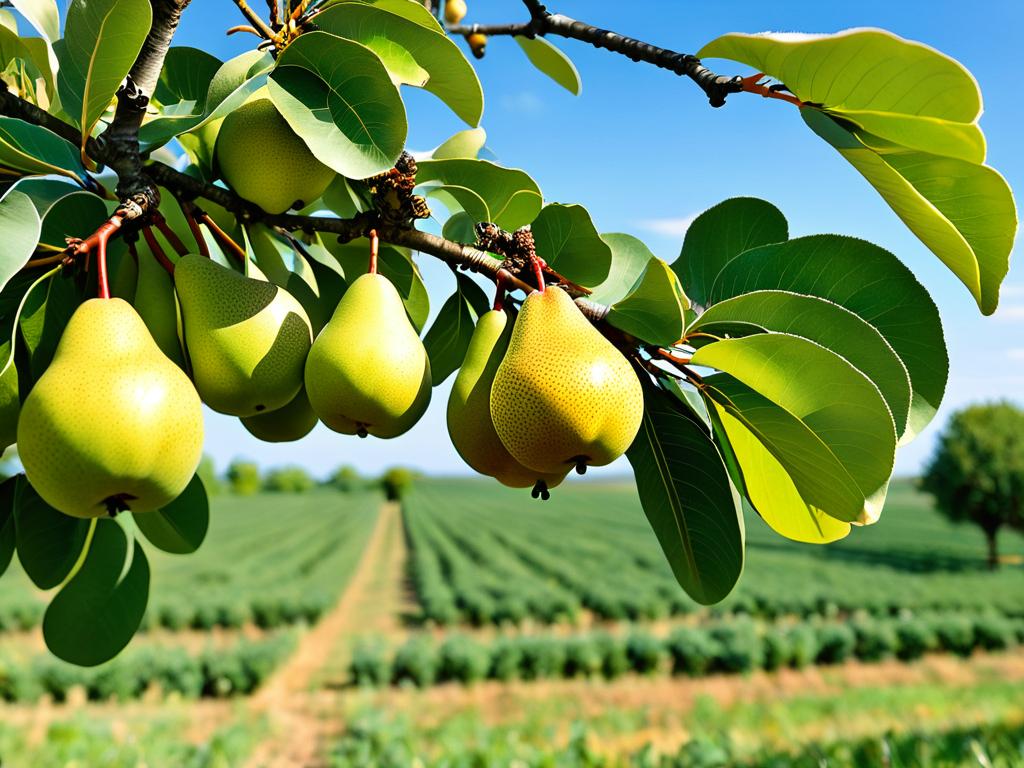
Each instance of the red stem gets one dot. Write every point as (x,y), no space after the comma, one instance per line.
(538,273)
(752,85)
(374,248)
(501,288)
(170,234)
(101,269)
(157,249)
(190,210)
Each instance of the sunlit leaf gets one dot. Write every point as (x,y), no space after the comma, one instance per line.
(568,241)
(546,57)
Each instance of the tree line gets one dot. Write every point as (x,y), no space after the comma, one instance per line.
(245,478)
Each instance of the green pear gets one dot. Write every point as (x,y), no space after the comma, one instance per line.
(247,339)
(368,372)
(563,396)
(265,161)
(157,306)
(285,425)
(112,424)
(469,408)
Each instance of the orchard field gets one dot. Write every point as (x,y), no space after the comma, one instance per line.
(463,627)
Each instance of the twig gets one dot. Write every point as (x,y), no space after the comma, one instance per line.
(254,18)
(157,249)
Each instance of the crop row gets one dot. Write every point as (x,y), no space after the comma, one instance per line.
(728,647)
(372,742)
(270,560)
(482,556)
(216,672)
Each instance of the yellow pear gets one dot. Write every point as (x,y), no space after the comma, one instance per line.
(247,339)
(455,11)
(285,425)
(265,161)
(368,372)
(563,396)
(469,409)
(112,424)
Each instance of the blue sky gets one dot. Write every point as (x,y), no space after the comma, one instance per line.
(644,153)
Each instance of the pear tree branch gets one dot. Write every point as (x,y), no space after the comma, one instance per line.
(542,22)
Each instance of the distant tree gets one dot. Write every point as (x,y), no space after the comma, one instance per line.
(977,471)
(396,482)
(243,477)
(345,478)
(288,480)
(207,472)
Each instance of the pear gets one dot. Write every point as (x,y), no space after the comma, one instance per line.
(265,161)
(285,425)
(563,396)
(112,424)
(368,372)
(247,339)
(469,408)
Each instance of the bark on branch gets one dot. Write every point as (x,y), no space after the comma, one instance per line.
(542,22)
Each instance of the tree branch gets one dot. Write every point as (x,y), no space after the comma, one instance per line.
(542,22)
(120,142)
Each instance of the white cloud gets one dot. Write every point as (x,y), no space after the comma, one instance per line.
(524,102)
(1011,289)
(1016,353)
(668,227)
(1011,312)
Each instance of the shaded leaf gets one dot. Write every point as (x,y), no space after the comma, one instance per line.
(49,542)
(413,54)
(824,421)
(180,96)
(181,526)
(568,241)
(32,149)
(687,496)
(721,233)
(870,282)
(654,310)
(448,338)
(20,224)
(485,191)
(963,212)
(7,532)
(546,57)
(337,95)
(629,260)
(823,322)
(102,39)
(98,611)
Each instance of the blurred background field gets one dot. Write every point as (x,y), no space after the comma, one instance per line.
(465,626)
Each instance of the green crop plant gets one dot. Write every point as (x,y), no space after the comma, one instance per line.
(245,231)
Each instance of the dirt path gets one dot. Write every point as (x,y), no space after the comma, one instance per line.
(299,728)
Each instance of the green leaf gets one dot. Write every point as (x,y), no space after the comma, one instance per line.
(71,216)
(180,96)
(824,323)
(99,610)
(10,397)
(654,309)
(45,192)
(32,149)
(720,234)
(485,191)
(7,532)
(181,526)
(687,496)
(43,15)
(829,427)
(568,241)
(963,212)
(466,144)
(49,542)
(897,89)
(413,54)
(448,338)
(771,490)
(34,55)
(412,11)
(339,98)
(552,62)
(102,39)
(870,282)
(629,260)
(19,221)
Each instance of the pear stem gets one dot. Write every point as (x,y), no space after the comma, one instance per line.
(501,288)
(157,249)
(538,273)
(224,240)
(374,249)
(170,234)
(103,284)
(189,210)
